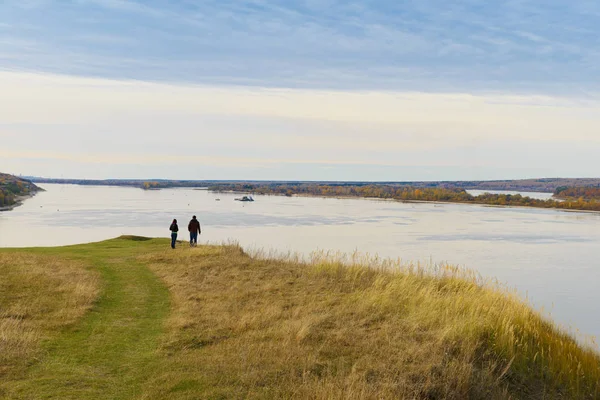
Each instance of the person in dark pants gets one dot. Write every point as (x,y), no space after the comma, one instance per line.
(174,229)
(194,228)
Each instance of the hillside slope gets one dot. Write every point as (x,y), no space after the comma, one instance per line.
(212,322)
(13,190)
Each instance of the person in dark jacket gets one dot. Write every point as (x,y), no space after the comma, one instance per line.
(174,229)
(194,228)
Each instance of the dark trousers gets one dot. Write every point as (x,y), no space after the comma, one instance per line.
(173,239)
(193,237)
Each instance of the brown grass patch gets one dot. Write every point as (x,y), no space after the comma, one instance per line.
(243,327)
(39,296)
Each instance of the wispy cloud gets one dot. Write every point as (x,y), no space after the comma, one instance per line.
(129,6)
(525,46)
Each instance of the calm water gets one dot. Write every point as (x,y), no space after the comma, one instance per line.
(552,256)
(533,195)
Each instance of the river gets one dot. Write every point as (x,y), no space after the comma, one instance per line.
(533,195)
(550,256)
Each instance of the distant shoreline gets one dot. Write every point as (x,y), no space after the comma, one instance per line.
(541,185)
(417,201)
(112,184)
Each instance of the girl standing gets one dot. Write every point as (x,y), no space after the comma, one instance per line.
(174,229)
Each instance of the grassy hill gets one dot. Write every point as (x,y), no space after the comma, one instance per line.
(130,318)
(12,189)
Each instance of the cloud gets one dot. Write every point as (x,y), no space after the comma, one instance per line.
(58,99)
(129,6)
(104,122)
(153,159)
(520,46)
(292,87)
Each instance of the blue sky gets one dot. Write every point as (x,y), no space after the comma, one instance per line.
(541,46)
(496,76)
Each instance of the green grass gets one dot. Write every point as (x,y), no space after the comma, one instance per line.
(130,318)
(113,349)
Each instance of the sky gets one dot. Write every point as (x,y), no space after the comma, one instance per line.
(300,90)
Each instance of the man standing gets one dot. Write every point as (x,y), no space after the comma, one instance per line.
(194,228)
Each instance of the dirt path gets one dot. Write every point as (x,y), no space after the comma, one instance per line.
(113,350)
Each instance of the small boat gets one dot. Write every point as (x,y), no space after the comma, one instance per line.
(245,198)
(217,199)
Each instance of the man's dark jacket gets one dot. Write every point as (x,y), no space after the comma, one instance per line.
(194,226)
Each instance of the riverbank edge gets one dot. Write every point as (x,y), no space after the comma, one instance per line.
(20,200)
(413,201)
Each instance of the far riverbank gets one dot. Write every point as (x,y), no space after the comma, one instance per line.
(407,194)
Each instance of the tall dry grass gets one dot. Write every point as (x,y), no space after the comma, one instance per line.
(39,296)
(247,327)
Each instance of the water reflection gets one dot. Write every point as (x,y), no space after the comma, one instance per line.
(550,255)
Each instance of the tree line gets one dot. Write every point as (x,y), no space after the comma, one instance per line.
(406,193)
(585,193)
(11,188)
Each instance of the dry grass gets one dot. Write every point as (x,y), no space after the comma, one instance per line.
(244,327)
(39,296)
(250,327)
